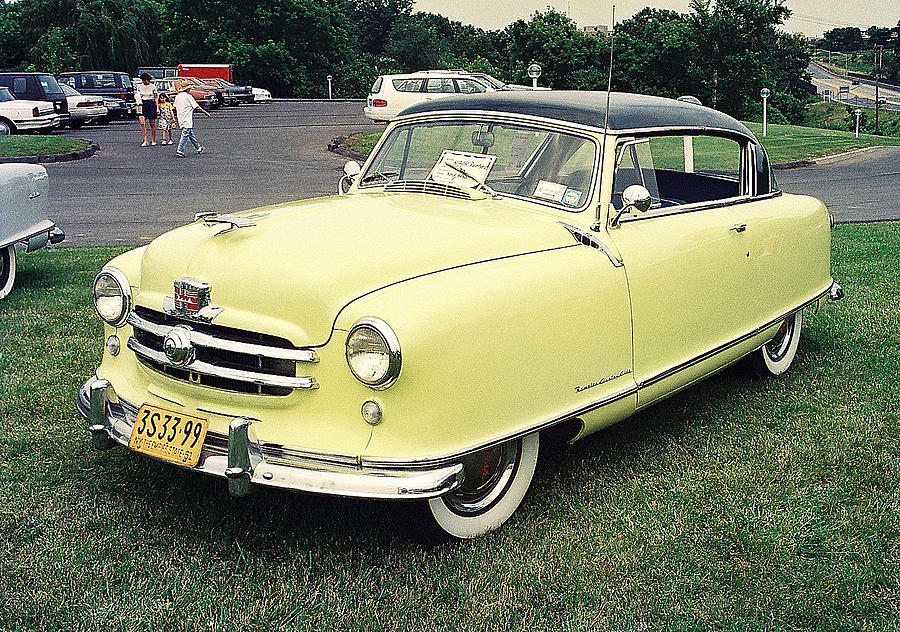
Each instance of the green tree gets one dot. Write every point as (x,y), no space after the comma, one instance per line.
(843,39)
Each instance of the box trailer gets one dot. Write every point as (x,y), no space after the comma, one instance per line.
(206,71)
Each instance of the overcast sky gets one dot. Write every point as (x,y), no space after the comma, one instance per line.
(812,17)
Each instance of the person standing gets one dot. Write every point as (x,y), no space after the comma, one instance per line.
(185,105)
(146,93)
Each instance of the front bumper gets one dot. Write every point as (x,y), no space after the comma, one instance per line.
(246,461)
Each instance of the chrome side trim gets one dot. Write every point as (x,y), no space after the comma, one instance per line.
(724,347)
(609,399)
(201,339)
(699,206)
(587,239)
(204,368)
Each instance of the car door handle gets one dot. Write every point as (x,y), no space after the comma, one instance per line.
(738,228)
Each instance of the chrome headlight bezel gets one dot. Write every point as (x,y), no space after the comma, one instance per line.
(392,350)
(121,281)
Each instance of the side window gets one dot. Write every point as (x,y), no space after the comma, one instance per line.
(467,86)
(408,85)
(439,85)
(678,169)
(20,86)
(376,87)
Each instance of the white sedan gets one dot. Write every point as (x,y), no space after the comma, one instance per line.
(83,108)
(19,115)
(261,95)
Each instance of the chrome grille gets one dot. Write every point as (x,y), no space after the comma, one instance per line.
(224,357)
(432,188)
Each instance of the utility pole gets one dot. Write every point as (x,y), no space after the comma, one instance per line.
(877,63)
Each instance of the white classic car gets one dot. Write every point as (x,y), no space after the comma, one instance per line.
(20,115)
(23,218)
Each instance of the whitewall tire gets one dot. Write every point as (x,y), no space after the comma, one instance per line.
(493,487)
(7,269)
(774,357)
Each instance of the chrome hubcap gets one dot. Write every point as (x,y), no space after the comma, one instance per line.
(486,475)
(4,129)
(778,346)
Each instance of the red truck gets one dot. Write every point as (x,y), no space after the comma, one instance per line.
(206,71)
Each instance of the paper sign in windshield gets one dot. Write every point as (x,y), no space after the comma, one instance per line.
(552,191)
(462,169)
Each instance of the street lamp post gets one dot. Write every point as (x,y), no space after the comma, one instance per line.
(764,93)
(534,71)
(329,85)
(857,112)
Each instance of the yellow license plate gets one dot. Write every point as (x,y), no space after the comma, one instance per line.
(168,435)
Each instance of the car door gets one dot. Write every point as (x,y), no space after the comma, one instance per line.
(688,259)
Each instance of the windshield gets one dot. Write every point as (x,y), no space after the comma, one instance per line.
(6,95)
(51,87)
(514,160)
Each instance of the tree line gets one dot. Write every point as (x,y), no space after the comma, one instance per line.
(721,51)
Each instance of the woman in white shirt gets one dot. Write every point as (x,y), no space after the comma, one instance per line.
(147,96)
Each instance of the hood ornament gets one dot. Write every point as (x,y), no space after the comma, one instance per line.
(233,221)
(190,300)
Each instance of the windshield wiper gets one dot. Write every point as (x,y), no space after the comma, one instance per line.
(384,175)
(478,183)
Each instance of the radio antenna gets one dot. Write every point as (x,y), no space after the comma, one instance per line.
(596,226)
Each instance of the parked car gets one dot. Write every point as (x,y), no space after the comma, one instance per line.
(504,265)
(204,86)
(37,86)
(205,97)
(233,94)
(83,109)
(19,115)
(104,83)
(260,95)
(390,94)
(23,217)
(116,109)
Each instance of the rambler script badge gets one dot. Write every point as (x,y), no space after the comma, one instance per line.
(191,300)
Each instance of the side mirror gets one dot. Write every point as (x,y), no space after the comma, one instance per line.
(634,197)
(351,170)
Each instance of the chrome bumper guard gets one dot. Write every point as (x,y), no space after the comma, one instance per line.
(241,458)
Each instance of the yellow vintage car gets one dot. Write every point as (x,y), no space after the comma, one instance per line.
(503,265)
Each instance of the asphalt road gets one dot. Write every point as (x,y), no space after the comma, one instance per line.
(862,94)
(255,155)
(857,187)
(277,152)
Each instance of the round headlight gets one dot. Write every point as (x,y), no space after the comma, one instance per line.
(112,296)
(373,353)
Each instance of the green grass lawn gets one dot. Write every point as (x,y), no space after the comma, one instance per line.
(736,505)
(784,143)
(18,145)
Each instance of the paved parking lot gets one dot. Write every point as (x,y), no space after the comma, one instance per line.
(255,155)
(277,152)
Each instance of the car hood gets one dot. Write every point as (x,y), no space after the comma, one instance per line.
(292,273)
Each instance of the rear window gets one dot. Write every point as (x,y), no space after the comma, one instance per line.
(98,80)
(126,81)
(408,85)
(376,87)
(50,85)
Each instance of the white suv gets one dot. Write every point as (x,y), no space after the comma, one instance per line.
(392,93)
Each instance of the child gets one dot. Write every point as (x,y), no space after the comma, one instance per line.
(166,119)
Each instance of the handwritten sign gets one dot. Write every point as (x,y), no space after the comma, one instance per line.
(462,169)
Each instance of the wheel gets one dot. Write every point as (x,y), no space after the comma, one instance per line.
(7,269)
(6,127)
(76,124)
(494,483)
(774,357)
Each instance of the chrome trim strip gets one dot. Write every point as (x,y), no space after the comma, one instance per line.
(724,347)
(587,239)
(699,206)
(204,368)
(211,342)
(609,399)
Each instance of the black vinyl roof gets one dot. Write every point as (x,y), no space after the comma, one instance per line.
(626,111)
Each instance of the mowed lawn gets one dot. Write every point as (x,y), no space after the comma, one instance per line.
(23,145)
(736,505)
